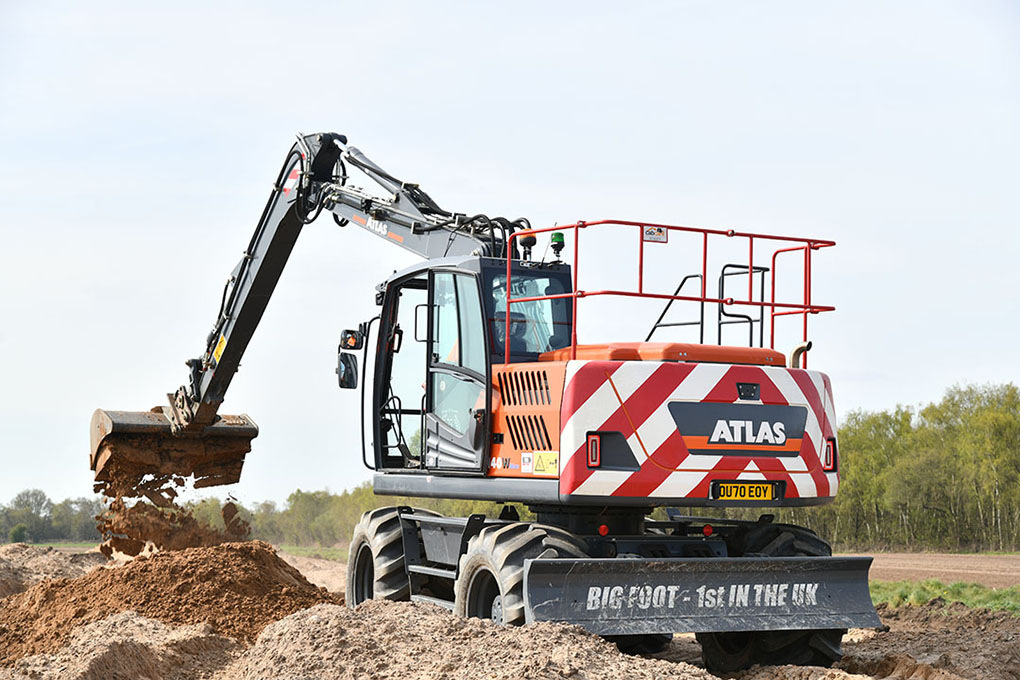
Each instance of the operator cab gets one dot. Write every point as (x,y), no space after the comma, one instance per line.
(442,326)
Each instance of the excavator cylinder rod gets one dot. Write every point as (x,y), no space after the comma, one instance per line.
(141,442)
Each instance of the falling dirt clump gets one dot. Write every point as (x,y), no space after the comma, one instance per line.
(23,565)
(127,645)
(404,641)
(237,588)
(129,527)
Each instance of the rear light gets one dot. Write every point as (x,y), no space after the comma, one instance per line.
(829,458)
(603,530)
(594,451)
(707,530)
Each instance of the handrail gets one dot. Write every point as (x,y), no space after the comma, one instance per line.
(785,308)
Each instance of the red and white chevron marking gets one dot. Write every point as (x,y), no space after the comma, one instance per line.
(291,182)
(632,398)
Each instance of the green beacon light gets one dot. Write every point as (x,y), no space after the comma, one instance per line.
(557,242)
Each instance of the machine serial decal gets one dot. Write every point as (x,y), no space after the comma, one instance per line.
(736,595)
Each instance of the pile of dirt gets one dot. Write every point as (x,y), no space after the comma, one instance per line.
(237,588)
(23,565)
(939,641)
(940,614)
(130,646)
(403,641)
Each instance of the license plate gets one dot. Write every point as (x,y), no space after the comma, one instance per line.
(743,491)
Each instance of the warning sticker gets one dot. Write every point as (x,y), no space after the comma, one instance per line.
(547,463)
(218,352)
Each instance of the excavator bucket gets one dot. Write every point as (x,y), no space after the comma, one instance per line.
(135,443)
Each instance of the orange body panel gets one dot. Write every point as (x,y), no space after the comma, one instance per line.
(670,351)
(526,401)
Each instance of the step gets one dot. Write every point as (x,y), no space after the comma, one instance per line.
(432,571)
(445,604)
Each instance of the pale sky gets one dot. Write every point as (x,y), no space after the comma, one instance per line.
(138,146)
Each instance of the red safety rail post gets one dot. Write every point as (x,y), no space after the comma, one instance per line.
(776,309)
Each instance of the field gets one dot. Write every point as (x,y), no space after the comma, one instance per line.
(243,610)
(994,571)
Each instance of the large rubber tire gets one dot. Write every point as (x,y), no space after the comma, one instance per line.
(727,652)
(649,643)
(375,563)
(491,580)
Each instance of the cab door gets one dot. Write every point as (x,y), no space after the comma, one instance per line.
(457,419)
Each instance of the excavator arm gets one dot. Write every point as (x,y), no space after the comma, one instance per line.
(188,436)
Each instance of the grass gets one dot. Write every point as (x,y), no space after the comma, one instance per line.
(898,593)
(338,554)
(82,546)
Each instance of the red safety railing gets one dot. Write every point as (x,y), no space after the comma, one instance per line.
(776,309)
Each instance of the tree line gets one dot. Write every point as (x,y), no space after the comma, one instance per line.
(942,477)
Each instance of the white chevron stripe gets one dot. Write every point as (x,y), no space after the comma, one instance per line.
(678,485)
(603,483)
(660,425)
(600,405)
(792,393)
(751,472)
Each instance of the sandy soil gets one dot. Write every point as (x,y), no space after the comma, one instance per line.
(994,571)
(328,574)
(239,611)
(22,566)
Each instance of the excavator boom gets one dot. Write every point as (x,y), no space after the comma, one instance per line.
(187,436)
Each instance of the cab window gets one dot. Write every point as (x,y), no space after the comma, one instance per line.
(537,326)
(458,337)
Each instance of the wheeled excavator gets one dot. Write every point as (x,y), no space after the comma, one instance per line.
(476,387)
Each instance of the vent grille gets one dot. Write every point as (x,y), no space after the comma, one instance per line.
(529,433)
(525,388)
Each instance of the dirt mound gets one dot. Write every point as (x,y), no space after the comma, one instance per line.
(939,614)
(128,646)
(404,641)
(237,588)
(806,673)
(939,641)
(23,565)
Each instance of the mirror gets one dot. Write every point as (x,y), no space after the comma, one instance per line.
(347,370)
(351,339)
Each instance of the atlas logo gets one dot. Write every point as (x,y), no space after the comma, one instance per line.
(746,432)
(733,429)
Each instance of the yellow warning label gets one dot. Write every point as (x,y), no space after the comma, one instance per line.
(218,352)
(547,462)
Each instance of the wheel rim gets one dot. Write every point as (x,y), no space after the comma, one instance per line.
(484,600)
(364,574)
(497,609)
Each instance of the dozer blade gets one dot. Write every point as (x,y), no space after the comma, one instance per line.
(700,595)
(141,442)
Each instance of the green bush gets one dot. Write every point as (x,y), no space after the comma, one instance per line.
(18,533)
